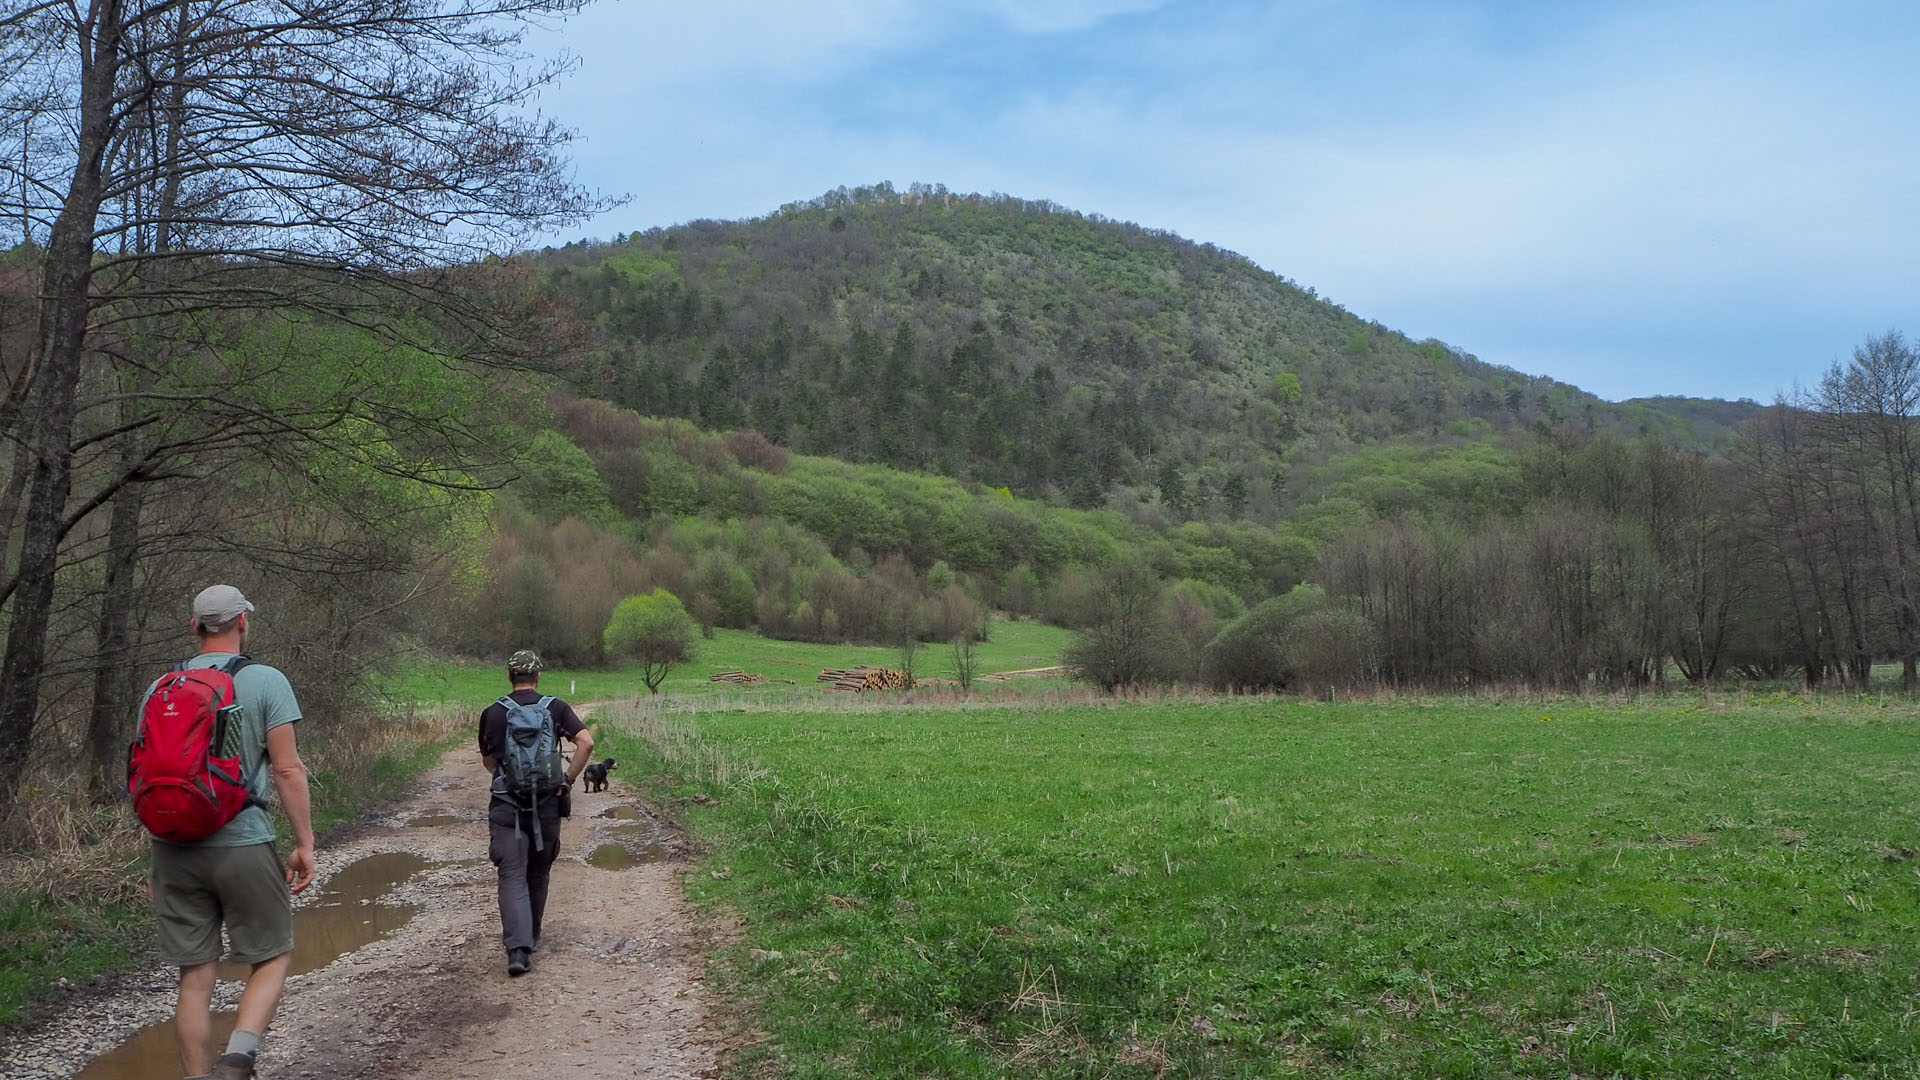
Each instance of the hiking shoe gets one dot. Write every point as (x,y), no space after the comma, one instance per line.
(232,1067)
(518,961)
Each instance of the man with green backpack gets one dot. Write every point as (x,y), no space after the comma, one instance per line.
(520,742)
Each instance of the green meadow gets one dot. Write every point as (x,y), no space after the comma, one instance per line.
(1258,888)
(1011,646)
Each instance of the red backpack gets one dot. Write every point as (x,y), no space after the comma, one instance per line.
(182,791)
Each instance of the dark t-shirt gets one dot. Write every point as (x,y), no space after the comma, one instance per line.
(493,722)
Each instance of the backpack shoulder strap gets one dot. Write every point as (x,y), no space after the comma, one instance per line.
(508,703)
(546,702)
(233,666)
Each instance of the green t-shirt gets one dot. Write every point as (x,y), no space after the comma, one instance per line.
(266,701)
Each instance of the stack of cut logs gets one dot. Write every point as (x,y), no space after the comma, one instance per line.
(860,680)
(741,677)
(1026,673)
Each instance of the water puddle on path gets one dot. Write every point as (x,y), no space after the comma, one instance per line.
(632,845)
(344,916)
(622,813)
(151,1054)
(347,915)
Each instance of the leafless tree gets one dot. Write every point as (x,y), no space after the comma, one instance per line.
(964,651)
(196,171)
(1124,642)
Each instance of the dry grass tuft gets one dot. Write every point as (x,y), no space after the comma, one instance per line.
(1045,1036)
(72,848)
(679,743)
(65,845)
(350,746)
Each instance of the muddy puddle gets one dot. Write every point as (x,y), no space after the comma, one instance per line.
(151,1054)
(622,812)
(347,915)
(344,916)
(630,845)
(618,856)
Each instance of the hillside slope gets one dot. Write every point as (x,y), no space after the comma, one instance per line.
(1023,345)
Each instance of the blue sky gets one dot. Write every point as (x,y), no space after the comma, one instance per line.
(1714,199)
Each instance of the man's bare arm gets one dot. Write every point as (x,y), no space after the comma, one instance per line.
(582,755)
(290,780)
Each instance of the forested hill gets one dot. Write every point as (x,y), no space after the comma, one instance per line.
(1708,419)
(1024,345)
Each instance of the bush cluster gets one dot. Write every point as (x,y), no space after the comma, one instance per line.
(1140,631)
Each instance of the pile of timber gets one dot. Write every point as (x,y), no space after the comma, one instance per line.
(862,680)
(1025,673)
(745,678)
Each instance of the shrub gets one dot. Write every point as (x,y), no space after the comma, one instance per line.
(1333,647)
(1020,591)
(952,613)
(1190,626)
(1300,639)
(1124,643)
(1251,653)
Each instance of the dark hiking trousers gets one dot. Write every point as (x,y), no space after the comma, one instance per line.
(524,872)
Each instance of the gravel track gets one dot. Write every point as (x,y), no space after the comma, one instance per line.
(615,991)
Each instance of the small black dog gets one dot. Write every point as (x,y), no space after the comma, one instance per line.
(596,775)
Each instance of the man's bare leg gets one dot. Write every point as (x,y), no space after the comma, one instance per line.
(262,996)
(193,1019)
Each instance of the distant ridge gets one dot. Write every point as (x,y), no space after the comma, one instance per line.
(1018,343)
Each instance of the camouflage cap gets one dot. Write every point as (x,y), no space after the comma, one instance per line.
(524,662)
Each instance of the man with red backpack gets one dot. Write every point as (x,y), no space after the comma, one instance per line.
(216,737)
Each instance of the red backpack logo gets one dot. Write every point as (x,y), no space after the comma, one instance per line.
(182,791)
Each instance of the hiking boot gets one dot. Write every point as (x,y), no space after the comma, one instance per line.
(232,1067)
(518,961)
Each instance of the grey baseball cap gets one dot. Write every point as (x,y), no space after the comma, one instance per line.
(218,605)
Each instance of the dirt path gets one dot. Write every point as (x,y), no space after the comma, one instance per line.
(615,991)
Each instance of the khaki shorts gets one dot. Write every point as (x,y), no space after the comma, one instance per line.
(196,889)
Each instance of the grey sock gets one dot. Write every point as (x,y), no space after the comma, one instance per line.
(243,1042)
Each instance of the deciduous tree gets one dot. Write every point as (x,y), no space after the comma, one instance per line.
(653,630)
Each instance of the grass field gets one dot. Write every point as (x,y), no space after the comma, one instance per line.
(1269,889)
(1012,646)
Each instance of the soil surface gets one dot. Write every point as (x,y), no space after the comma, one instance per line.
(615,990)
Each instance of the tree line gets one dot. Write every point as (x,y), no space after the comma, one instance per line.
(1563,560)
(1626,564)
